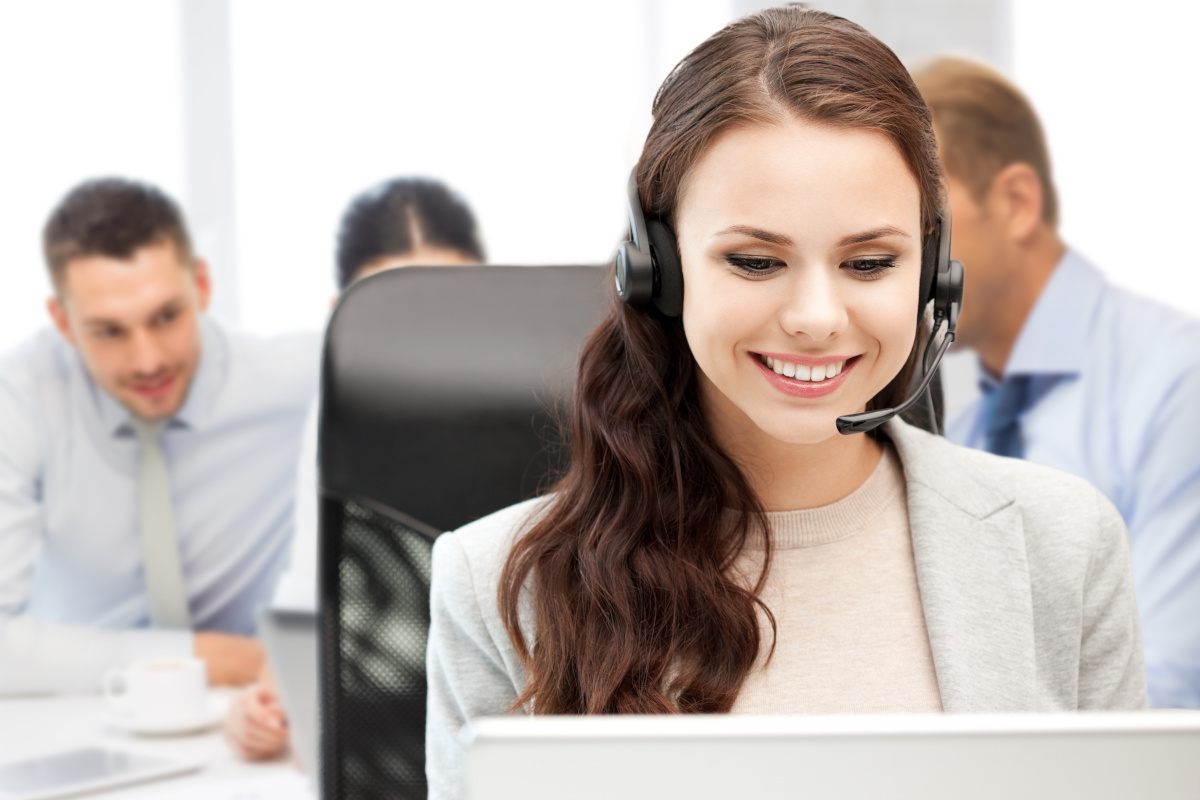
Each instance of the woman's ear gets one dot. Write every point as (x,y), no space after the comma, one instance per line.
(1018,199)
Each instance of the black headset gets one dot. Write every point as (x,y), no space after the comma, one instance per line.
(648,271)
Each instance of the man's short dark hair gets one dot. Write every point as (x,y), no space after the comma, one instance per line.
(112,217)
(397,216)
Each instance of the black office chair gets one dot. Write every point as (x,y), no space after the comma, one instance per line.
(437,395)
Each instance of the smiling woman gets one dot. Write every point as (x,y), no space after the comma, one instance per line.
(824,283)
(716,544)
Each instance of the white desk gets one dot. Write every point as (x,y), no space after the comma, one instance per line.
(36,725)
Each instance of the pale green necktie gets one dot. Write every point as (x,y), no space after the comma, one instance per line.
(160,547)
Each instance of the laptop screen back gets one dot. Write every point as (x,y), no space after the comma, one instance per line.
(1098,756)
(291,640)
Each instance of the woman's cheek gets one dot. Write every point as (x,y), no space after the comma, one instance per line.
(893,325)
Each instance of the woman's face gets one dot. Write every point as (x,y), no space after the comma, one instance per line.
(801,251)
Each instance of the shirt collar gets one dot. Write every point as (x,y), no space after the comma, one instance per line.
(202,394)
(1054,339)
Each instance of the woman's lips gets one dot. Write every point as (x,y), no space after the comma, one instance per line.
(804,388)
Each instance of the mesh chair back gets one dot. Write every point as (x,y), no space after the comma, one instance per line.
(438,390)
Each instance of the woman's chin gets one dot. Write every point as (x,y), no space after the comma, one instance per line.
(810,430)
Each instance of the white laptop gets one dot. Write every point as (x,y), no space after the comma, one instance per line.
(291,640)
(1090,756)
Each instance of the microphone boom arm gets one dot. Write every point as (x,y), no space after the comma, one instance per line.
(870,420)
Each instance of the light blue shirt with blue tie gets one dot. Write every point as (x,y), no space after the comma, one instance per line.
(1114,397)
(72,592)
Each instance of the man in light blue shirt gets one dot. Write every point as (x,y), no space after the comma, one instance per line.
(82,498)
(1074,372)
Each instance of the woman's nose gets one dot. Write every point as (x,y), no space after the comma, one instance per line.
(814,308)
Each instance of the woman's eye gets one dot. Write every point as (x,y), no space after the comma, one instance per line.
(754,265)
(870,267)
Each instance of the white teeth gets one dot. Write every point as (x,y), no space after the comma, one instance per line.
(802,373)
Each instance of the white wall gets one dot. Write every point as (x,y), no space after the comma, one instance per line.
(82,93)
(1116,87)
(534,110)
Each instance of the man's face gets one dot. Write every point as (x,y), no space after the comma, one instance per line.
(978,242)
(136,324)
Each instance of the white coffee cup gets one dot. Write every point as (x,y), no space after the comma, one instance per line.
(159,690)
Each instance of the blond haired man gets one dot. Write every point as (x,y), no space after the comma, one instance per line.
(1074,372)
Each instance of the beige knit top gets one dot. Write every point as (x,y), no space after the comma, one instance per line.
(851,635)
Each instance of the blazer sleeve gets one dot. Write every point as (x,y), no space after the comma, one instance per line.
(1112,671)
(467,674)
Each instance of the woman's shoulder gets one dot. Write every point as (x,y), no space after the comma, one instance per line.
(978,480)
(479,549)
(1053,506)
(1025,565)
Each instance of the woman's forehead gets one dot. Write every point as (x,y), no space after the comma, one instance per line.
(800,177)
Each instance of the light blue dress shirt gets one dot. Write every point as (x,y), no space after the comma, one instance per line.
(72,593)
(1115,398)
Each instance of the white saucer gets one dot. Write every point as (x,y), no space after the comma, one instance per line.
(171,726)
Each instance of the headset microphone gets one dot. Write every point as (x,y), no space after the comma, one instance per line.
(869,420)
(648,271)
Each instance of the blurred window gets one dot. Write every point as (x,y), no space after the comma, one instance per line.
(1115,86)
(86,89)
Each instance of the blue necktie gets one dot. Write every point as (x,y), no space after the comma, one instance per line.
(1002,407)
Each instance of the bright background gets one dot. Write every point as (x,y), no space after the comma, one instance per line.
(264,117)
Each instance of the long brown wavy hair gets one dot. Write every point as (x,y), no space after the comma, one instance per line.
(628,568)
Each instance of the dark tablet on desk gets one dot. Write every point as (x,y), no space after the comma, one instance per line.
(88,769)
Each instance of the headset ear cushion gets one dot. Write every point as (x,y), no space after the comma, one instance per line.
(669,297)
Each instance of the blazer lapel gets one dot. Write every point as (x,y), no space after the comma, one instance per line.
(969,549)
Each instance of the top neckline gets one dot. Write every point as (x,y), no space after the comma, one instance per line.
(842,519)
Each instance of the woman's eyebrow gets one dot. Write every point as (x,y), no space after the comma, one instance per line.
(758,233)
(872,235)
(781,239)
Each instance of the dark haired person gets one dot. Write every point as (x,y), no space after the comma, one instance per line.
(1075,373)
(405,222)
(147,457)
(716,545)
(397,223)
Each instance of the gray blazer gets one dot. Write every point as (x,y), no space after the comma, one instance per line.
(1023,572)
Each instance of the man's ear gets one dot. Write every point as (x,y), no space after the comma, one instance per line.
(1018,190)
(58,315)
(203,280)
